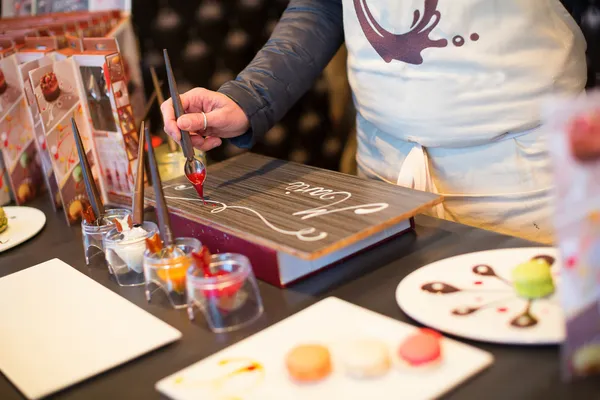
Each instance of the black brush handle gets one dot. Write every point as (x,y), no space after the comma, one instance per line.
(186,140)
(162,212)
(161,99)
(88,177)
(137,205)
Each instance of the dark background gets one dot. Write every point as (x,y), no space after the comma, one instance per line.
(210,42)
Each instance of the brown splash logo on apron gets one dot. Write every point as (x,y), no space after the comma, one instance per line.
(405,47)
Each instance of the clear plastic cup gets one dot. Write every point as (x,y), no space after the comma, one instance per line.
(229,297)
(93,235)
(169,274)
(125,253)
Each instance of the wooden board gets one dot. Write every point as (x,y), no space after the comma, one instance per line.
(300,210)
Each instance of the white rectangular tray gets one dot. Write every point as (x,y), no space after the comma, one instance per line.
(58,327)
(330,322)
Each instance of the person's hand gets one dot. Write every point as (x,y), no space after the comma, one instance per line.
(224,118)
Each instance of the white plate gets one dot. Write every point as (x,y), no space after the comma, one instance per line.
(490,291)
(330,322)
(23,224)
(59,327)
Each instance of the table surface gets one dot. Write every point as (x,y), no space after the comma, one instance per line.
(368,280)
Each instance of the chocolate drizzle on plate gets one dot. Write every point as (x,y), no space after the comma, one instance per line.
(462,311)
(468,310)
(486,270)
(525,319)
(445,288)
(440,288)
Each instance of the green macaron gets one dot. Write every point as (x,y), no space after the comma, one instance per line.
(533,279)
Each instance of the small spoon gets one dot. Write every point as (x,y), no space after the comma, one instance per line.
(194,169)
(196,174)
(194,166)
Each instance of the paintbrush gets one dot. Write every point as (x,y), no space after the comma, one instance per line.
(138,189)
(194,169)
(161,99)
(88,178)
(164,224)
(186,140)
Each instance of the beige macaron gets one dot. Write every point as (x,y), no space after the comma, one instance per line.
(365,358)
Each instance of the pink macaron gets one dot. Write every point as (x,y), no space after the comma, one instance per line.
(422,349)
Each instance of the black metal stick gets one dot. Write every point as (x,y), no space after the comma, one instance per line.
(186,140)
(162,212)
(88,177)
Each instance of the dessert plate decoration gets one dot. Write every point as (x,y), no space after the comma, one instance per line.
(23,224)
(501,296)
(330,350)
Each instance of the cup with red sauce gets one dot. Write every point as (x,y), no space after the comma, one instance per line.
(223,287)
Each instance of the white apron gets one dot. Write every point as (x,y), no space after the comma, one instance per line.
(448,94)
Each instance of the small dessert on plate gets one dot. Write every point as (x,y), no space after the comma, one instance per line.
(533,279)
(308,363)
(365,358)
(3,220)
(421,350)
(49,86)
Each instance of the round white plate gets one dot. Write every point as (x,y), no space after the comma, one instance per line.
(23,224)
(471,296)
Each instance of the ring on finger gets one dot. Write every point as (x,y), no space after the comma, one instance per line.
(205,120)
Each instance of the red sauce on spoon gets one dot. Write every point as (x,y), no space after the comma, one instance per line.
(197,179)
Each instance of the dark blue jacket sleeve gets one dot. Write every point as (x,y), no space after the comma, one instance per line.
(306,38)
